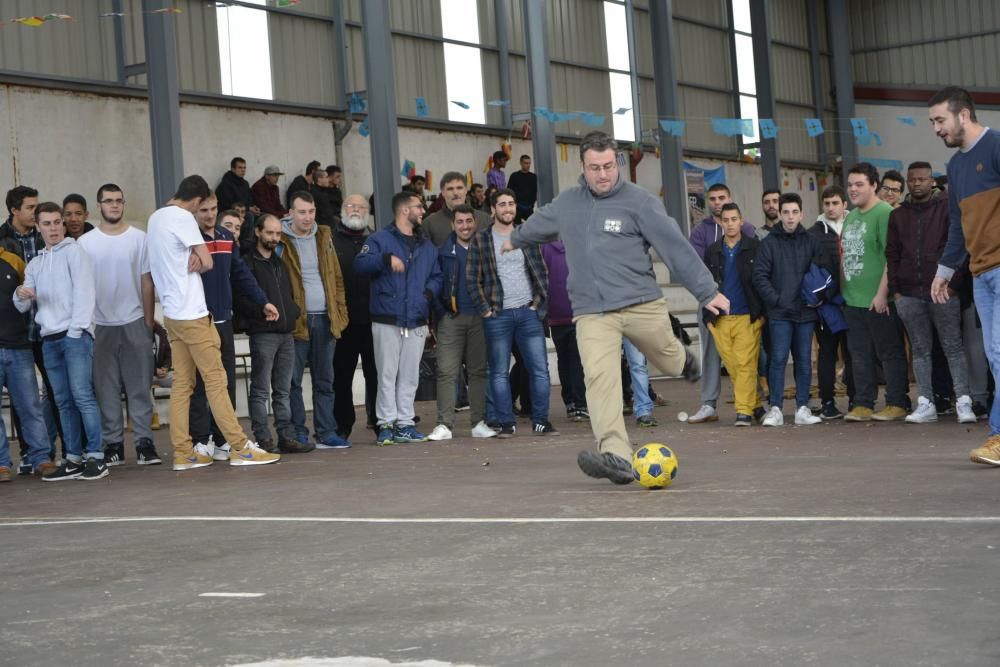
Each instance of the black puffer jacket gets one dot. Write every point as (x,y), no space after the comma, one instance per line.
(233,189)
(782,261)
(272,276)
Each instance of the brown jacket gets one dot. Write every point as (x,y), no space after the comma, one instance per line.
(333,282)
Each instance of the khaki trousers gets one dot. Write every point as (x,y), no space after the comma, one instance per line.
(196,347)
(738,342)
(599,337)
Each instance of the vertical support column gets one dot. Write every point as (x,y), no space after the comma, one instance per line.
(667,107)
(543,137)
(843,83)
(770,163)
(633,69)
(382,119)
(503,48)
(119,23)
(164,100)
(816,63)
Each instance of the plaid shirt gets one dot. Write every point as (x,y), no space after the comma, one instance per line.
(483,280)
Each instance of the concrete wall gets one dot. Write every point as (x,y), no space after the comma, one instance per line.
(907,143)
(63,142)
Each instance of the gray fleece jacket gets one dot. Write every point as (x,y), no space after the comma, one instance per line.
(63,280)
(607,239)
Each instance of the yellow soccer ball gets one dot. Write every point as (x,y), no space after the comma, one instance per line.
(654,466)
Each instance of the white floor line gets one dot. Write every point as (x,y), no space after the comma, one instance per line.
(31,521)
(231,595)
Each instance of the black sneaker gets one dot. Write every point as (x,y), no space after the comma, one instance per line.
(830,412)
(24,468)
(286,446)
(507,431)
(692,366)
(94,469)
(627,408)
(581,415)
(268,445)
(606,466)
(978,409)
(114,453)
(647,421)
(145,453)
(944,405)
(743,420)
(66,470)
(544,428)
(759,414)
(462,407)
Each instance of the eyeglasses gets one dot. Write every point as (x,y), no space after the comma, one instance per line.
(355,207)
(893,191)
(596,168)
(112,202)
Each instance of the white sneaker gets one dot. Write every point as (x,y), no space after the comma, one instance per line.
(925,412)
(805,417)
(440,432)
(706,413)
(963,407)
(481,430)
(774,417)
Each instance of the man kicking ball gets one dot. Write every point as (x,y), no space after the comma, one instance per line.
(608,225)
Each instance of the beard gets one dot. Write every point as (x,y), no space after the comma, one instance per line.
(113,221)
(771,215)
(354,222)
(269,245)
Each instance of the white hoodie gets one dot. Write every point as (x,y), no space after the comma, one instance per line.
(63,280)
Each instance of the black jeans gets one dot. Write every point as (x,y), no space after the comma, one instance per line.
(572,386)
(873,335)
(202,424)
(826,362)
(355,341)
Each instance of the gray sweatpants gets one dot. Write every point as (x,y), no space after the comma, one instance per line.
(975,356)
(123,357)
(397,358)
(711,367)
(918,317)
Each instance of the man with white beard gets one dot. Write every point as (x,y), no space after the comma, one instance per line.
(349,236)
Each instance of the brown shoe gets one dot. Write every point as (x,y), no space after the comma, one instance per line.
(4,474)
(989,453)
(859,414)
(890,413)
(45,468)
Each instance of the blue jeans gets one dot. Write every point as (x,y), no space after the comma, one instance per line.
(318,353)
(70,365)
(797,337)
(524,326)
(17,371)
(642,404)
(986,292)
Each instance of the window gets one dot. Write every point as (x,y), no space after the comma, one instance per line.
(619,78)
(245,51)
(746,79)
(463,65)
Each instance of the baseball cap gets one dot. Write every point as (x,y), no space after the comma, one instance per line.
(273,170)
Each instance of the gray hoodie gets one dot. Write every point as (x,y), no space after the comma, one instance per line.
(63,280)
(312,282)
(607,239)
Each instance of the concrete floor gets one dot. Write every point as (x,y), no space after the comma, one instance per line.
(828,545)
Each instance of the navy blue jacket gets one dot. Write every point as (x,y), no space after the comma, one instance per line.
(817,286)
(229,272)
(782,261)
(401,299)
(447,301)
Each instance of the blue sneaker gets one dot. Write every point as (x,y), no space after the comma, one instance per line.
(408,433)
(333,441)
(385,435)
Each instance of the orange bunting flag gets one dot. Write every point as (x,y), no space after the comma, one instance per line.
(469,180)
(507,149)
(489,165)
(168,10)
(563,152)
(428,178)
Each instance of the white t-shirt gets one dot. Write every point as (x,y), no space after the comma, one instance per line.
(119,262)
(170,235)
